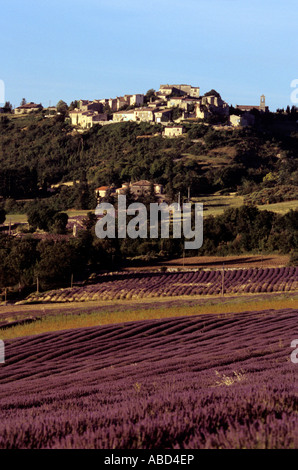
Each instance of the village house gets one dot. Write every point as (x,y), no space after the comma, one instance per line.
(180,90)
(136,100)
(246,119)
(144,114)
(201,111)
(173,131)
(189,90)
(91,106)
(182,102)
(120,102)
(211,105)
(144,187)
(216,104)
(28,108)
(162,115)
(86,119)
(51,109)
(175,101)
(140,188)
(102,191)
(113,104)
(165,90)
(157,103)
(123,116)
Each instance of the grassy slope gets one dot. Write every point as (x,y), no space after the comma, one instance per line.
(213,205)
(49,317)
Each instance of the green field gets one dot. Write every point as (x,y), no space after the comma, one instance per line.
(214,204)
(22,218)
(56,317)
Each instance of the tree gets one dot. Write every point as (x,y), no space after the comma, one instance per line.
(176,113)
(150,95)
(43,217)
(56,264)
(59,223)
(21,261)
(74,104)
(62,107)
(23,102)
(90,221)
(2,216)
(7,107)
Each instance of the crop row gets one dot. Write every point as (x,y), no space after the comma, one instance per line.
(204,282)
(209,381)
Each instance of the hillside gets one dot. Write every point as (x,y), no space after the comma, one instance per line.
(37,152)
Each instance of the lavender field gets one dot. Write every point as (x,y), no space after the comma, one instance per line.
(206,381)
(204,282)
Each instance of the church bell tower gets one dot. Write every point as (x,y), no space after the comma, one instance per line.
(262,103)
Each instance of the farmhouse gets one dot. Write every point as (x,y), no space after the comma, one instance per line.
(246,120)
(28,108)
(144,187)
(173,131)
(140,188)
(101,191)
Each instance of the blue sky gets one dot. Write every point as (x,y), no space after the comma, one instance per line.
(72,49)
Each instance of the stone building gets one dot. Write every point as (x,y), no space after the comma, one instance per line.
(28,108)
(173,131)
(262,107)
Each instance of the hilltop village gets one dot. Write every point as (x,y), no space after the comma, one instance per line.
(168,106)
(174,145)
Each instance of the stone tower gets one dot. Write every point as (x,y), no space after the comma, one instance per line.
(262,103)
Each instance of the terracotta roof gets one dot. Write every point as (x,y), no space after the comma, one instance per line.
(141,183)
(29,105)
(102,188)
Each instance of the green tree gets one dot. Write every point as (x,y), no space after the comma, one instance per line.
(59,223)
(62,107)
(74,104)
(2,216)
(7,107)
(150,95)
(90,221)
(58,260)
(21,261)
